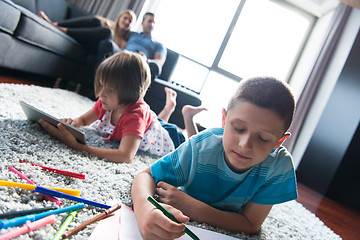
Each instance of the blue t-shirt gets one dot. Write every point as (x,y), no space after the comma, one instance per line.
(143,43)
(198,167)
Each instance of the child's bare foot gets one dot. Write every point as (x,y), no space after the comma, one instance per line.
(169,105)
(170,99)
(190,111)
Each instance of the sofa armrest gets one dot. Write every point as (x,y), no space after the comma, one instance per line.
(156,98)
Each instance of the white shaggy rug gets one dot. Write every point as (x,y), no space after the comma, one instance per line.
(105,181)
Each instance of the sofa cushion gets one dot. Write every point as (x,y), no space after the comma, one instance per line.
(28,4)
(9,17)
(37,32)
(17,55)
(56,10)
(75,12)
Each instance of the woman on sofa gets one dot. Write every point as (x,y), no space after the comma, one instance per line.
(90,31)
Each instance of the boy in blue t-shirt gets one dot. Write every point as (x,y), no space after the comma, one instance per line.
(229,177)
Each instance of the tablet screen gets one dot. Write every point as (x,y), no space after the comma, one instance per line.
(34,114)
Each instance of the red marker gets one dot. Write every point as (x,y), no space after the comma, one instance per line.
(66,173)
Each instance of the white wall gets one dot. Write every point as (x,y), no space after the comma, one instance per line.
(331,76)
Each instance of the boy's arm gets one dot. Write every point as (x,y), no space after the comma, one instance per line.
(124,154)
(153,224)
(248,221)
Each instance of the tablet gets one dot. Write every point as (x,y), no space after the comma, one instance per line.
(34,114)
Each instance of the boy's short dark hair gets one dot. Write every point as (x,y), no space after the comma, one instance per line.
(269,93)
(125,72)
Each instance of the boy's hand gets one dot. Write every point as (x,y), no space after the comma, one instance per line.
(171,195)
(60,133)
(155,225)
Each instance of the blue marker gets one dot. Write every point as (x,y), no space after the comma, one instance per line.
(63,195)
(33,217)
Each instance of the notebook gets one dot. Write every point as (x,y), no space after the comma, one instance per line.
(123,226)
(34,114)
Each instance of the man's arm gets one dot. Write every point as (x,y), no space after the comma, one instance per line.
(248,221)
(159,59)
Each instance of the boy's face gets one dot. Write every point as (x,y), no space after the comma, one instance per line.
(250,134)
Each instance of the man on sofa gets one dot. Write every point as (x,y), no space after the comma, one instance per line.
(145,44)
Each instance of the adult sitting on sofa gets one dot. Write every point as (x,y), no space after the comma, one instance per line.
(143,43)
(30,44)
(146,45)
(91,30)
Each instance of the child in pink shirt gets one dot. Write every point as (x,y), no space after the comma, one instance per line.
(120,112)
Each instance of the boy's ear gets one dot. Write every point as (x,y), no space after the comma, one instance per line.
(281,140)
(223,118)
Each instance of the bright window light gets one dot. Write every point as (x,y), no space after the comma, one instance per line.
(215,95)
(189,74)
(263,38)
(195,29)
(266,40)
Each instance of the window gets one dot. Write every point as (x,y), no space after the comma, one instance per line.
(215,96)
(222,42)
(266,40)
(194,29)
(189,74)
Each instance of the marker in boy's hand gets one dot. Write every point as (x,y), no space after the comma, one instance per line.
(231,176)
(166,228)
(170,216)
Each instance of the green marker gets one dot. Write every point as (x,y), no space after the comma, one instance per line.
(65,224)
(169,215)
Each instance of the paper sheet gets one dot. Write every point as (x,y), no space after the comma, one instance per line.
(108,228)
(123,226)
(130,230)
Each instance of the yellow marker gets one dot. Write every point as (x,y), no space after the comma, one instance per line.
(71,192)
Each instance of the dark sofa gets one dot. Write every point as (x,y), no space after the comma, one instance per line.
(30,44)
(156,96)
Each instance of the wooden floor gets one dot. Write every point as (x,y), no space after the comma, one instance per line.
(341,219)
